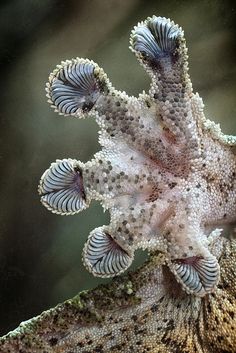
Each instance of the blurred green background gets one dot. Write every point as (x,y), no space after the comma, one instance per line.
(40,253)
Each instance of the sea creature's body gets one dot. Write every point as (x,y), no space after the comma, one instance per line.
(165,172)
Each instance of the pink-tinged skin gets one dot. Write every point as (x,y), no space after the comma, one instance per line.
(165,172)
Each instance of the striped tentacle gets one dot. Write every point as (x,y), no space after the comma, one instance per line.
(198,276)
(61,188)
(75,86)
(103,256)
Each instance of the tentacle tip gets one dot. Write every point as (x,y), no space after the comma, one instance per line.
(197,276)
(75,86)
(103,257)
(155,38)
(61,188)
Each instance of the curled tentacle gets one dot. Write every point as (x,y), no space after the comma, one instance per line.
(159,45)
(109,250)
(75,86)
(155,38)
(79,87)
(103,256)
(198,276)
(61,188)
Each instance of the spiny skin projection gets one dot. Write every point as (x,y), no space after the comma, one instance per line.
(165,172)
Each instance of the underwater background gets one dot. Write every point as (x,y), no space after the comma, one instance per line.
(40,252)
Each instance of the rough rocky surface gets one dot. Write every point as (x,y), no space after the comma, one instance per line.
(145,311)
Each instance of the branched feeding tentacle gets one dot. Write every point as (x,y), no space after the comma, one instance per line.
(165,172)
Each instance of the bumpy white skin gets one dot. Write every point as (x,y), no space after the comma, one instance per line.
(166,174)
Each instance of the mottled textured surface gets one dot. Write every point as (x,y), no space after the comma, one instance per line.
(165,173)
(148,310)
(145,311)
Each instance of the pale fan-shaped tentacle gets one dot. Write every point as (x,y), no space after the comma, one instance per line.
(75,86)
(159,45)
(61,188)
(154,39)
(198,276)
(103,256)
(80,87)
